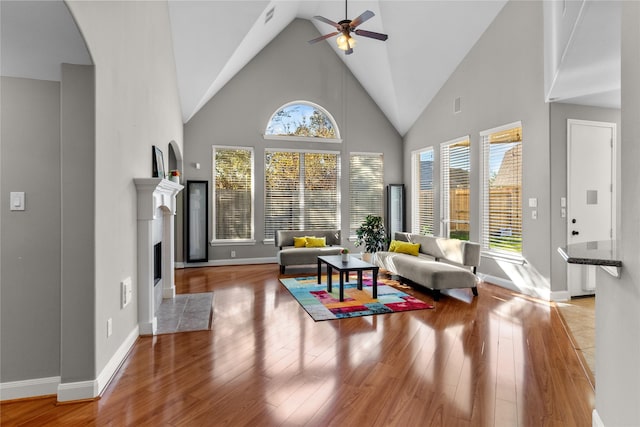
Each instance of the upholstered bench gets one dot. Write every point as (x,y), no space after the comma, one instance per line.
(297,249)
(434,262)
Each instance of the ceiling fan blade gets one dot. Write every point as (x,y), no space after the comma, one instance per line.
(372,35)
(326,36)
(328,21)
(366,15)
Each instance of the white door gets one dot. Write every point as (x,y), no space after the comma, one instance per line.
(590,193)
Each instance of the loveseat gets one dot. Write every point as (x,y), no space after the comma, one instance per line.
(301,247)
(436,263)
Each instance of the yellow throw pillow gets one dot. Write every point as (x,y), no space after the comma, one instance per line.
(299,242)
(407,248)
(393,245)
(316,242)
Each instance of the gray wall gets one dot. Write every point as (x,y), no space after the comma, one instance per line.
(499,82)
(618,302)
(77,163)
(137,106)
(288,69)
(30,271)
(559,114)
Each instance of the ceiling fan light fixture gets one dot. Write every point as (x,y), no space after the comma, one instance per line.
(345,42)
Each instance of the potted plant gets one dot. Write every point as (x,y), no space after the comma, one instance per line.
(345,254)
(371,234)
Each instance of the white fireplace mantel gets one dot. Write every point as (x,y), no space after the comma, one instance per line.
(154,193)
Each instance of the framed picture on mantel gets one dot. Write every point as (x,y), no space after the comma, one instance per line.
(158,163)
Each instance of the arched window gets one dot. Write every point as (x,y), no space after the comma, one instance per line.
(302,120)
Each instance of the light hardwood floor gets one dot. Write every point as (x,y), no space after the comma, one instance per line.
(500,359)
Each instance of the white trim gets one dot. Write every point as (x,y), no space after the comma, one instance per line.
(508,284)
(113,365)
(232,242)
(596,421)
(501,128)
(231,261)
(66,392)
(303,139)
(560,296)
(80,390)
(445,182)
(312,105)
(415,187)
(29,388)
(514,258)
(215,148)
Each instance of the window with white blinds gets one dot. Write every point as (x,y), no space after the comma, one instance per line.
(301,191)
(422,192)
(455,171)
(233,193)
(502,189)
(366,188)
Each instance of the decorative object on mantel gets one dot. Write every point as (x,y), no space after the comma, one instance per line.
(174,176)
(158,162)
(345,254)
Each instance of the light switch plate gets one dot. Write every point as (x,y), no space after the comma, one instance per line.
(126,292)
(16,201)
(533,202)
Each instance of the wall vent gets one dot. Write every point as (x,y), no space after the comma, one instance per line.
(269,15)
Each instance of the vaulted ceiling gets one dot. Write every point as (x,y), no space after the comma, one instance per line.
(214,39)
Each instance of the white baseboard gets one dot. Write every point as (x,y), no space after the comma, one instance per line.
(29,388)
(508,284)
(80,390)
(560,296)
(91,389)
(596,421)
(229,261)
(116,361)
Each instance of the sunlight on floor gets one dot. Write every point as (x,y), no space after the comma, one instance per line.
(580,316)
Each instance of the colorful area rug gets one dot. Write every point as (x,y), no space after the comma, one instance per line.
(322,305)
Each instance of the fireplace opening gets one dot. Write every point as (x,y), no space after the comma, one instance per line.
(157,263)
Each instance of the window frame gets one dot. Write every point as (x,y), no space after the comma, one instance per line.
(415,189)
(376,207)
(268,240)
(336,140)
(484,195)
(224,242)
(445,187)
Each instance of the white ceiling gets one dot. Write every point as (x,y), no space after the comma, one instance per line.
(214,39)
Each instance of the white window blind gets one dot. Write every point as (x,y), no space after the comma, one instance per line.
(502,189)
(422,194)
(301,191)
(233,193)
(366,188)
(455,170)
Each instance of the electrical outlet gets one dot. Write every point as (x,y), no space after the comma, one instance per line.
(233,254)
(109,327)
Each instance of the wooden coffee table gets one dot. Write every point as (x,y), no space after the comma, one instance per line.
(334,262)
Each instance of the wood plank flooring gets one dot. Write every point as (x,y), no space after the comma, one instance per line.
(500,359)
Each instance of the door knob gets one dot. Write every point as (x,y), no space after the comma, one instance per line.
(575,233)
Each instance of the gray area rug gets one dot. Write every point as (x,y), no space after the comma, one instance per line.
(185,313)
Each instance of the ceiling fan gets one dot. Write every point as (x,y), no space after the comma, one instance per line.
(346,27)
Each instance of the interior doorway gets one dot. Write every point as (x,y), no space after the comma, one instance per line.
(590,193)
